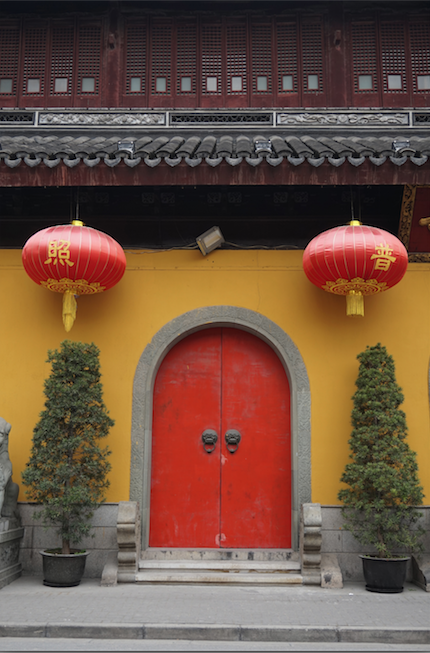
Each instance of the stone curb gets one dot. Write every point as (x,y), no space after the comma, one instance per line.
(211,632)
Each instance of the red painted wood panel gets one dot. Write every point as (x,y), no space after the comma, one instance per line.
(256,479)
(221,379)
(185,479)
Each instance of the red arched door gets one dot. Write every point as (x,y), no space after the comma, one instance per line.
(224,495)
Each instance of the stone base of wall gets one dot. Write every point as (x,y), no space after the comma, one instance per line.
(335,540)
(37,538)
(342,543)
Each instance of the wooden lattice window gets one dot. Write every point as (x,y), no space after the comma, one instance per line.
(261,58)
(420,60)
(364,63)
(211,62)
(9,58)
(287,56)
(161,60)
(393,58)
(186,59)
(236,59)
(312,59)
(34,63)
(135,65)
(89,55)
(61,82)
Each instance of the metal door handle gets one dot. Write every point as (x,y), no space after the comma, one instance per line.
(232,439)
(209,439)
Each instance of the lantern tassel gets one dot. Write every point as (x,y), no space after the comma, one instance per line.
(69,309)
(354,304)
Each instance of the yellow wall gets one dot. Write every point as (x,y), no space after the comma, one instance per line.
(158,287)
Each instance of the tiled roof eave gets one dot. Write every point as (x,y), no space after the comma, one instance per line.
(203,149)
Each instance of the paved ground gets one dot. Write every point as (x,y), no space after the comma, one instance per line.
(215,613)
(62,644)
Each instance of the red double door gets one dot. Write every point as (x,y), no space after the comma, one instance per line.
(235,492)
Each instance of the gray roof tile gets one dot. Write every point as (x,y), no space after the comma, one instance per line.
(207,146)
(338,147)
(188,147)
(299,146)
(244,146)
(280,146)
(225,146)
(170,146)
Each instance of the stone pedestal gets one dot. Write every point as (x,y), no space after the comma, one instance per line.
(11,534)
(128,534)
(310,543)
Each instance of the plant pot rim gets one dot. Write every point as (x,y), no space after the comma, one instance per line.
(368,556)
(74,554)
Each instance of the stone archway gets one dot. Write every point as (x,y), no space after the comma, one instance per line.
(162,342)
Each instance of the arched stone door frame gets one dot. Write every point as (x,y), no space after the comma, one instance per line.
(146,371)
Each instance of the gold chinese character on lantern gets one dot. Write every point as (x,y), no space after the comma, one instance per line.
(58,252)
(383,257)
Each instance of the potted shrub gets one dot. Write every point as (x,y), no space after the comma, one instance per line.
(379,504)
(67,470)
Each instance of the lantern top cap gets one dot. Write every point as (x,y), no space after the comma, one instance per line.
(355,223)
(78,223)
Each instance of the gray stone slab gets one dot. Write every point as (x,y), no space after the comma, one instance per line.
(100,538)
(351,566)
(31,562)
(384,635)
(106,515)
(332,542)
(351,545)
(27,510)
(192,631)
(22,630)
(96,562)
(288,634)
(331,517)
(44,539)
(96,631)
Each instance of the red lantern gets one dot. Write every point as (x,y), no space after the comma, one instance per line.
(355,260)
(75,260)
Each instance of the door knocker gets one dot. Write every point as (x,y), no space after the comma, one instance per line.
(232,439)
(209,439)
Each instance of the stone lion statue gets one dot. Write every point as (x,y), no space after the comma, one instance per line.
(8,489)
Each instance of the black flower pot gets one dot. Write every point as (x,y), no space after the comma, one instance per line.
(63,570)
(384,574)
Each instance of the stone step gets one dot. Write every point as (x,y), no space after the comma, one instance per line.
(217,577)
(224,566)
(254,555)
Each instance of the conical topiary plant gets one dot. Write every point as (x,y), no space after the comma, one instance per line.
(67,470)
(379,504)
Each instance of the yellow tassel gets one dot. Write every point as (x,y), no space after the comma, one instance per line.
(354,304)
(69,309)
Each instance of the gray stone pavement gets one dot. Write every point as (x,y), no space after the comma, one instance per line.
(63,644)
(217,613)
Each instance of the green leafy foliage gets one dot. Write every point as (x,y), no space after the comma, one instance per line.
(379,504)
(67,470)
